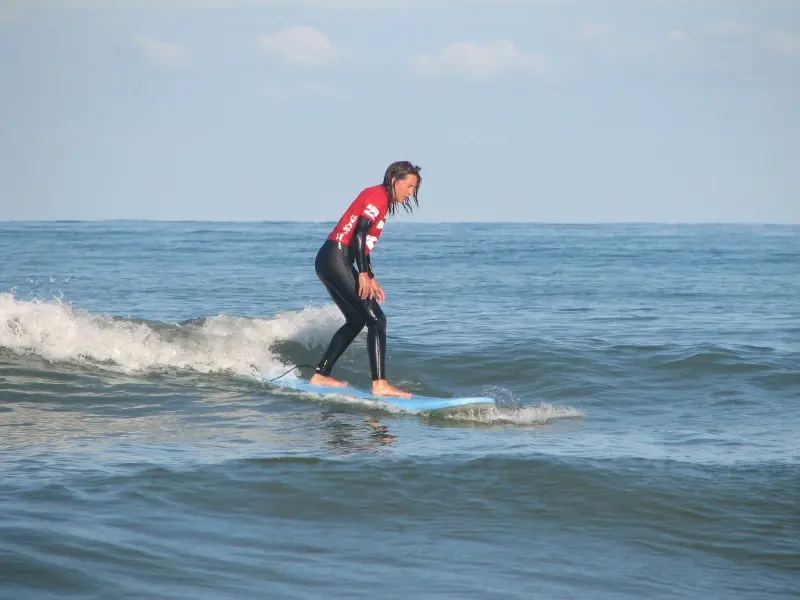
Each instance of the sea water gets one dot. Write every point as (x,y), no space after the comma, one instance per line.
(645,444)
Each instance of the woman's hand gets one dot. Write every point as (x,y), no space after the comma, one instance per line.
(365,290)
(369,288)
(377,291)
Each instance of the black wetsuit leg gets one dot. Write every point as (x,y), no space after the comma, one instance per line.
(335,269)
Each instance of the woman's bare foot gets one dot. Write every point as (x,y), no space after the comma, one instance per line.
(318,379)
(381,387)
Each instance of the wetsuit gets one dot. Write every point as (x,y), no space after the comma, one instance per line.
(349,243)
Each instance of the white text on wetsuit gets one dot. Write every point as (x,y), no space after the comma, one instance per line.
(346,228)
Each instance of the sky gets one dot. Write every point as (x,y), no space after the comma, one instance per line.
(558,111)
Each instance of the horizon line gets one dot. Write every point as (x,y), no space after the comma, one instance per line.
(417,222)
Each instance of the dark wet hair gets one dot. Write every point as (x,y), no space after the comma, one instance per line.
(399,170)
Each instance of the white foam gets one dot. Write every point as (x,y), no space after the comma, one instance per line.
(511,410)
(56,331)
(517,415)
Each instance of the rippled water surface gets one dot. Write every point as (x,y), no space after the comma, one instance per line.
(645,444)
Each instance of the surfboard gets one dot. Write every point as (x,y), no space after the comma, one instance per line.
(416,403)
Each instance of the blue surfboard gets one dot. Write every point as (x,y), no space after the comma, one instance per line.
(415,403)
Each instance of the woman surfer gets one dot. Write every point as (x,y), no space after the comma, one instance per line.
(354,289)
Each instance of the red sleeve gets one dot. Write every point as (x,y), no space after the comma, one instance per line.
(373,203)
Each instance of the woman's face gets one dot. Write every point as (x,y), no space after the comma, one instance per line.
(404,188)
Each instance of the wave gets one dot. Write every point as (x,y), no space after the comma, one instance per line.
(55,331)
(58,332)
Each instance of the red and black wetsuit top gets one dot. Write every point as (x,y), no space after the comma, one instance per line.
(361,225)
(372,204)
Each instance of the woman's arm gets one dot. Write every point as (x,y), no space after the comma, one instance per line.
(367,286)
(363,263)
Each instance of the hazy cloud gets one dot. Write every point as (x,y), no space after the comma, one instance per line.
(728,29)
(479,62)
(116,4)
(676,36)
(298,92)
(607,42)
(303,47)
(718,44)
(597,31)
(784,43)
(166,55)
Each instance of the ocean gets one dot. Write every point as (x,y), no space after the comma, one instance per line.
(645,443)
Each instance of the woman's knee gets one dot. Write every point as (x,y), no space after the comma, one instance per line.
(377,321)
(355,324)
